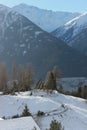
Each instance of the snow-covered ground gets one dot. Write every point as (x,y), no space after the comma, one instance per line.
(70,111)
(25,123)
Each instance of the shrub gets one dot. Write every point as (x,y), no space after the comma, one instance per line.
(40,113)
(15,116)
(4,117)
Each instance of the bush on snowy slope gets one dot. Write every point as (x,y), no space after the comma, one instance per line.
(24,113)
(40,113)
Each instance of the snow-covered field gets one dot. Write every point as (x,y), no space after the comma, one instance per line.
(70,111)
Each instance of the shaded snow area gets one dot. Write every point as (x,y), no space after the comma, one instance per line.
(25,123)
(37,33)
(73,83)
(69,110)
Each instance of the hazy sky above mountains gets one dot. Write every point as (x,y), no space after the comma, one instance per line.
(56,5)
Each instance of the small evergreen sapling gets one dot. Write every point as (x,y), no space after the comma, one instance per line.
(26,111)
(55,125)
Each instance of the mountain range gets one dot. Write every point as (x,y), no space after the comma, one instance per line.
(48,20)
(25,43)
(70,27)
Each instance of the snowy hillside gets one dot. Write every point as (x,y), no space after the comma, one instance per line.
(46,19)
(68,110)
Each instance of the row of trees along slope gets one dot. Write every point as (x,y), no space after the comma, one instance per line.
(19,79)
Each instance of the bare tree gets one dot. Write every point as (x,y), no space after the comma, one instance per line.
(13,72)
(28,77)
(20,77)
(3,77)
(57,73)
(25,78)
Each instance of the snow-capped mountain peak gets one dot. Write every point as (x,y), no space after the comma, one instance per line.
(48,20)
(78,24)
(74,33)
(7,17)
(75,26)
(3,7)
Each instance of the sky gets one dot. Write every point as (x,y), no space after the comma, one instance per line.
(55,5)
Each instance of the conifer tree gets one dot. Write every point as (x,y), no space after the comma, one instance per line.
(50,82)
(26,111)
(55,125)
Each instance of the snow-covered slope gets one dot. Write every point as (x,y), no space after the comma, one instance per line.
(74,33)
(3,14)
(80,21)
(26,123)
(46,19)
(7,17)
(68,110)
(72,28)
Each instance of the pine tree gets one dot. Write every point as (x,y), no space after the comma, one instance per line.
(50,82)
(55,125)
(26,111)
(34,128)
